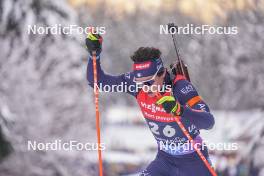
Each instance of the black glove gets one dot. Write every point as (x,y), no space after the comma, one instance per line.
(94,43)
(175,69)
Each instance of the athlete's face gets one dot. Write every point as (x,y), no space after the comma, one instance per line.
(154,82)
(158,83)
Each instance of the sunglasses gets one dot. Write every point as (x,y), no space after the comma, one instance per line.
(152,80)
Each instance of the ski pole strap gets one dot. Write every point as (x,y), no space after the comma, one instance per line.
(193,101)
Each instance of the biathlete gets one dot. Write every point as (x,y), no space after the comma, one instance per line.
(175,156)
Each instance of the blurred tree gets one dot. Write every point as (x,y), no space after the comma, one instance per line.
(5,146)
(43,83)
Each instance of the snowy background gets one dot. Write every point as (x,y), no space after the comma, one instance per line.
(44,94)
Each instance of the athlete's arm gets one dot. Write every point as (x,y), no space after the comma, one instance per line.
(195,109)
(94,46)
(201,119)
(108,80)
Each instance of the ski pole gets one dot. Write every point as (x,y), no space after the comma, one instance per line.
(200,154)
(177,119)
(187,134)
(96,101)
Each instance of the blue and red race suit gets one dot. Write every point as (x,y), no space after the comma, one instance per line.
(196,116)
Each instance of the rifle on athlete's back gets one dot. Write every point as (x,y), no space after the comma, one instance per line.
(179,67)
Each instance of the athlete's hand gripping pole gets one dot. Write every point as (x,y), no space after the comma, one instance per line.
(176,111)
(93,44)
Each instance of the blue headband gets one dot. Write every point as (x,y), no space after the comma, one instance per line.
(148,68)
